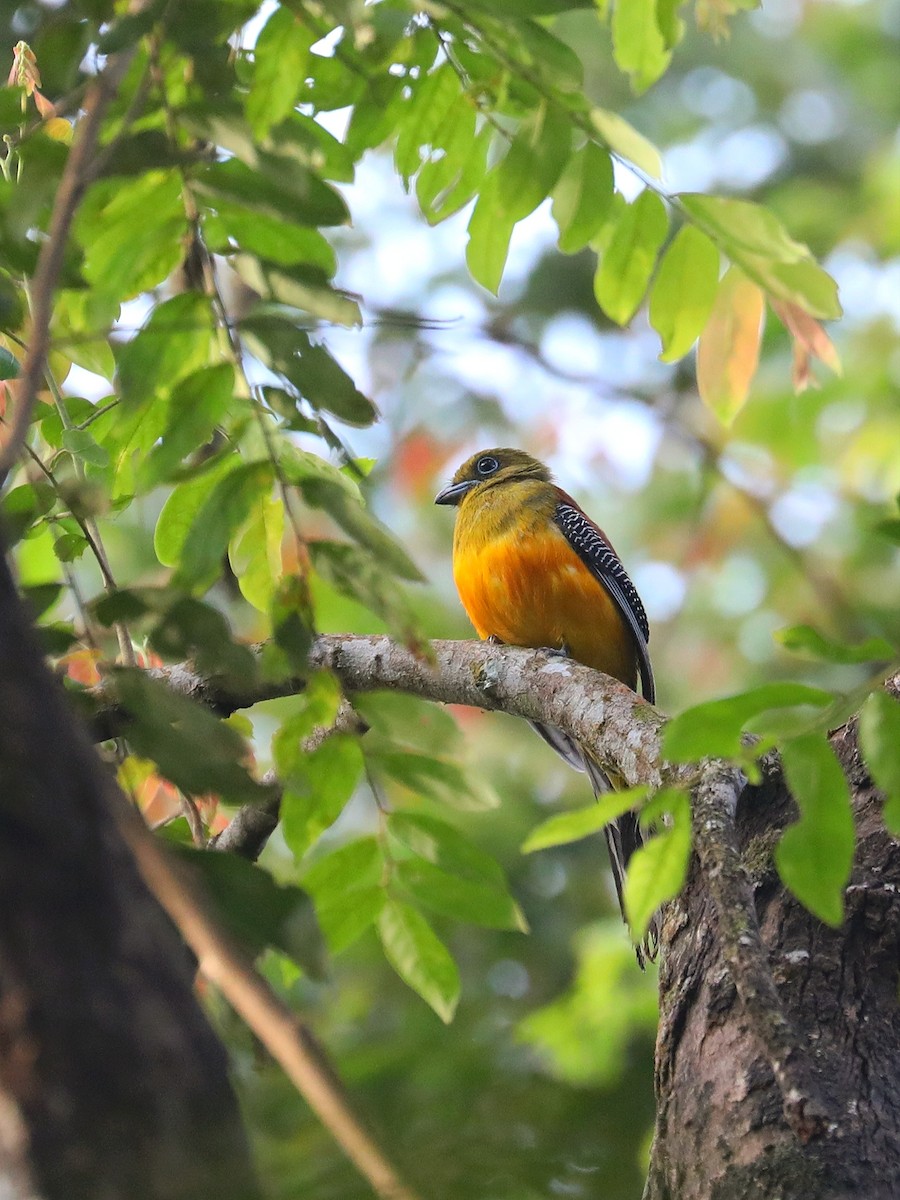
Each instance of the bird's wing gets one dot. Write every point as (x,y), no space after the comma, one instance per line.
(600,558)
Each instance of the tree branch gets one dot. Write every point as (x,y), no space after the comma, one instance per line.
(622,732)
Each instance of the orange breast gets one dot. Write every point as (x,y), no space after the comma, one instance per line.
(530,588)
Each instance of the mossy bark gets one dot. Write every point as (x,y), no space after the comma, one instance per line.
(721,1132)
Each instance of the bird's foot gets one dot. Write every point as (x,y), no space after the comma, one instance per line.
(562,651)
(493,640)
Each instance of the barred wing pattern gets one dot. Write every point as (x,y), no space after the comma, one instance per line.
(601,559)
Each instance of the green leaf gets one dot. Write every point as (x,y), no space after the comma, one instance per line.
(657,871)
(359,863)
(292,624)
(744,225)
(422,117)
(274,239)
(445,782)
(316,708)
(277,187)
(317,788)
(670,24)
(178,339)
(573,826)
(410,721)
(806,640)
(221,514)
(131,233)
(188,628)
(255,552)
(9,365)
(258,911)
(346,887)
(753,237)
(277,342)
(713,729)
(327,386)
(358,575)
(280,57)
(194,409)
(81,445)
(628,260)
(445,847)
(181,508)
(197,751)
(420,959)
(69,546)
(490,229)
(530,8)
(346,918)
(81,319)
(299,287)
(805,284)
(890,529)
(625,141)
(23,506)
(534,162)
(555,59)
(514,188)
(683,292)
(638,45)
(815,854)
(582,198)
(359,524)
(446,184)
(879,738)
(462,899)
(41,597)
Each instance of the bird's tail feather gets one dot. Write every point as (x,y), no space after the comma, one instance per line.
(623,836)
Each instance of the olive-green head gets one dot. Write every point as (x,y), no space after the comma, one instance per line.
(488,468)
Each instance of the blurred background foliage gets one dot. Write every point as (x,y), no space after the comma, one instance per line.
(542,1085)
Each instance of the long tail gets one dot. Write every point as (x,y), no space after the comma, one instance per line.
(623,836)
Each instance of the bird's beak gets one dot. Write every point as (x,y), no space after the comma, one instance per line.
(455,492)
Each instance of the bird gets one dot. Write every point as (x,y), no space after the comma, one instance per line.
(532,569)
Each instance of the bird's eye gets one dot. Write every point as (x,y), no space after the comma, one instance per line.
(487,465)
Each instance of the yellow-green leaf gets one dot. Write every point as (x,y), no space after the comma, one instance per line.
(683,292)
(657,871)
(638,45)
(419,957)
(582,199)
(573,826)
(624,140)
(628,261)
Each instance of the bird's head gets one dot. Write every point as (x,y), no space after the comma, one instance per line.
(488,468)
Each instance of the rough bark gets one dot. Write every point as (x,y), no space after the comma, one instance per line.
(721,1132)
(112,1083)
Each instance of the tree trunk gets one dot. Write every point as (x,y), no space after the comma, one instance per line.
(720,1129)
(112,1083)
